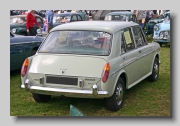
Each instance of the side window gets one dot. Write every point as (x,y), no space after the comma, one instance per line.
(74,18)
(38,20)
(79,18)
(127,36)
(123,46)
(139,39)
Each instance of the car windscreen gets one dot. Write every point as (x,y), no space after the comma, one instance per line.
(77,42)
(61,19)
(118,17)
(17,20)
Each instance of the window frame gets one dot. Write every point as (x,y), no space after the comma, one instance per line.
(80,17)
(132,38)
(142,34)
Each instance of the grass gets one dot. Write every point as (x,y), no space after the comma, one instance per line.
(144,99)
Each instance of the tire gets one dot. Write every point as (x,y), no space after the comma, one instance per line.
(155,71)
(33,52)
(41,98)
(112,102)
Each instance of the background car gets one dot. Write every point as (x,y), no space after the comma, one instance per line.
(160,18)
(91,59)
(18,24)
(121,16)
(162,30)
(67,17)
(22,47)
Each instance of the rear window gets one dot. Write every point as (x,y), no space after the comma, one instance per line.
(77,42)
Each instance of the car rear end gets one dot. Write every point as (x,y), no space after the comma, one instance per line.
(69,63)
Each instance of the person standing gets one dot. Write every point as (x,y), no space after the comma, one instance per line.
(49,16)
(155,13)
(87,16)
(146,18)
(139,14)
(30,20)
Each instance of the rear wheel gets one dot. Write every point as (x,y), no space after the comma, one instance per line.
(155,71)
(115,102)
(41,98)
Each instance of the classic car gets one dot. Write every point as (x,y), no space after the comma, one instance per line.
(162,30)
(91,59)
(121,16)
(22,47)
(18,24)
(67,17)
(160,18)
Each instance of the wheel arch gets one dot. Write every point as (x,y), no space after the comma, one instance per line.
(122,74)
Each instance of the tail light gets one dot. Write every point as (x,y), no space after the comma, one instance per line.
(105,73)
(24,67)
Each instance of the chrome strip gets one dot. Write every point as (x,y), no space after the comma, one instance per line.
(132,62)
(66,92)
(24,42)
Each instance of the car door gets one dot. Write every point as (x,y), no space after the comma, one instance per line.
(16,53)
(144,49)
(130,56)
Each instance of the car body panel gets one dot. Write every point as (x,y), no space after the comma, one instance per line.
(21,48)
(136,66)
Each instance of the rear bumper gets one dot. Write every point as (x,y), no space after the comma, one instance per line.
(94,93)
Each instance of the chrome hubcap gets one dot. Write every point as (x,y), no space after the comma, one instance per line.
(119,94)
(156,70)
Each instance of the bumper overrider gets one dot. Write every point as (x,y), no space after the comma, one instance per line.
(94,93)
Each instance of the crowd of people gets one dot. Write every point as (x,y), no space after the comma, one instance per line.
(143,16)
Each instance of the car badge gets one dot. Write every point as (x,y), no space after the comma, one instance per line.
(63,70)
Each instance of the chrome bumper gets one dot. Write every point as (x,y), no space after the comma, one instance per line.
(66,92)
(163,39)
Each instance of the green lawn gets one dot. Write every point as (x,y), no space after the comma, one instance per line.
(145,99)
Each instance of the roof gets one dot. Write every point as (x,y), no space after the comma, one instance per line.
(23,15)
(106,26)
(120,13)
(65,14)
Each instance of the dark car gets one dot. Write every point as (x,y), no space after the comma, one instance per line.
(22,47)
(63,18)
(18,24)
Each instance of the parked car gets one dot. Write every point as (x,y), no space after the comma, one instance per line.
(91,59)
(162,30)
(18,24)
(121,16)
(22,47)
(67,17)
(160,18)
